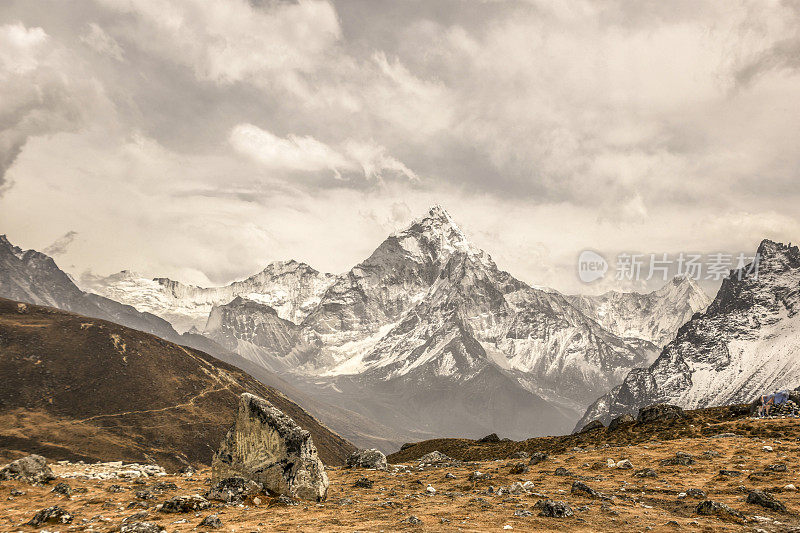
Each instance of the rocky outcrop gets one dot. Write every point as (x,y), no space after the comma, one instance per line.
(591,426)
(659,412)
(266,446)
(621,421)
(32,469)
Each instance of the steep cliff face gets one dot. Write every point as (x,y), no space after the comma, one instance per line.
(745,343)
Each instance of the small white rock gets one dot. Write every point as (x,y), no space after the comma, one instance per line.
(767,448)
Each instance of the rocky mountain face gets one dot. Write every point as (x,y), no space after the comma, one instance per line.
(745,343)
(255,331)
(653,317)
(292,289)
(83,388)
(33,277)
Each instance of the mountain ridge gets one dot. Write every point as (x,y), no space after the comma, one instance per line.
(743,344)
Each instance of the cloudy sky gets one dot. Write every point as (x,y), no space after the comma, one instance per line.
(201,139)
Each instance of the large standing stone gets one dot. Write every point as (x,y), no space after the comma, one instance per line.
(268,447)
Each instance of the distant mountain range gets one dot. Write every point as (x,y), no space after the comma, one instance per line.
(651,318)
(426,337)
(746,342)
(292,289)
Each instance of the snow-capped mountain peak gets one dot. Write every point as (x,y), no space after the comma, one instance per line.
(653,317)
(290,287)
(438,235)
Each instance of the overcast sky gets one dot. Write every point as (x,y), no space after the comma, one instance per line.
(201,139)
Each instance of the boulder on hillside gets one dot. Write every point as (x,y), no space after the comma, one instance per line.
(621,421)
(436,458)
(268,447)
(370,458)
(32,469)
(591,426)
(659,413)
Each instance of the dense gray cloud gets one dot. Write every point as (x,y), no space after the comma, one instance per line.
(200,139)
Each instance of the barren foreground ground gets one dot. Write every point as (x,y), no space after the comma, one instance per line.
(628,503)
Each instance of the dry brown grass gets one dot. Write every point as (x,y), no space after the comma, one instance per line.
(636,503)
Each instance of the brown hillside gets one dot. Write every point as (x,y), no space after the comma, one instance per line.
(80,388)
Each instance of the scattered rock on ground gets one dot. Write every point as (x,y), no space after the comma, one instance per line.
(480,476)
(50,515)
(363,483)
(758,497)
(62,488)
(554,509)
(212,521)
(435,458)
(538,457)
(233,489)
(579,487)
(695,493)
(680,459)
(625,464)
(519,469)
(720,510)
(185,504)
(141,527)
